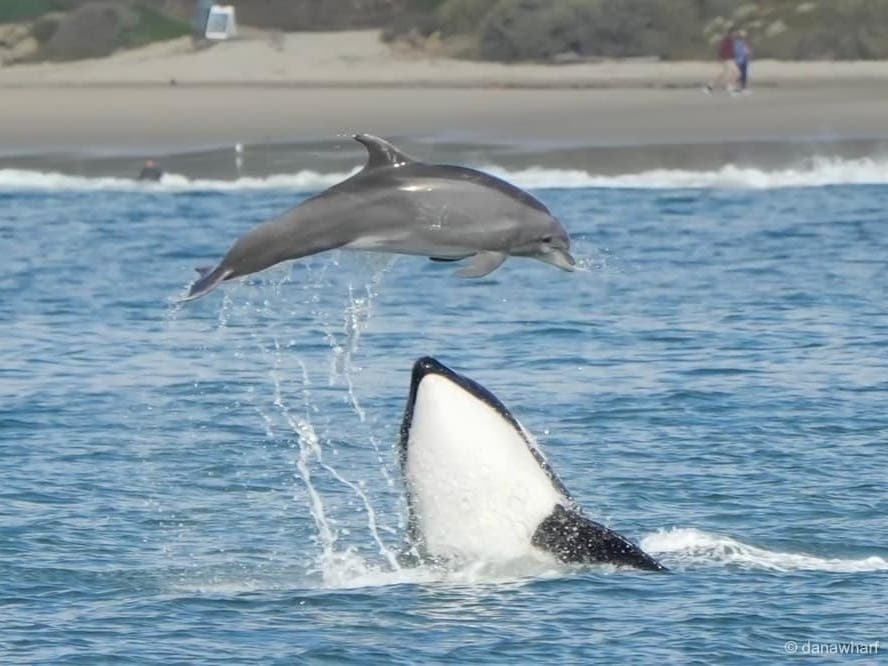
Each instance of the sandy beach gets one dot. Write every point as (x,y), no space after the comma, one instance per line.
(299,88)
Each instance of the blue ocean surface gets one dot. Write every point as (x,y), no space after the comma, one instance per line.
(217,481)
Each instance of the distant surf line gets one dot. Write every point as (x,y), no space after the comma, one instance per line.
(814,172)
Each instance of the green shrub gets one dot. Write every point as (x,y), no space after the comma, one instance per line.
(14,11)
(423,6)
(459,17)
(539,29)
(44,28)
(155,27)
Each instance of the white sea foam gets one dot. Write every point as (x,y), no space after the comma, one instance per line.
(679,548)
(688,545)
(354,572)
(302,181)
(349,570)
(810,173)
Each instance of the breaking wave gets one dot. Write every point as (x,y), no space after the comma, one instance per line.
(811,173)
(302,181)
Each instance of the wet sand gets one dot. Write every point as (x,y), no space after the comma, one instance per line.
(97,121)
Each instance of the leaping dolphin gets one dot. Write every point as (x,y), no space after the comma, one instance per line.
(397,204)
(478,487)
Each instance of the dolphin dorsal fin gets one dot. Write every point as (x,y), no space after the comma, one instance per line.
(381,153)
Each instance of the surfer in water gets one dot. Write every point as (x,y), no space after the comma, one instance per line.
(151,171)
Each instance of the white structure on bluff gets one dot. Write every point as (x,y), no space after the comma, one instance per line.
(221,23)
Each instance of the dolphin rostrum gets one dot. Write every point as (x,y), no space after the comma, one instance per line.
(398,204)
(478,488)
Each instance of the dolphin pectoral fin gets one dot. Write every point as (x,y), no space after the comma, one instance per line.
(571,537)
(209,279)
(483,263)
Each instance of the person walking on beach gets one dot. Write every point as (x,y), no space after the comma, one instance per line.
(727,75)
(742,55)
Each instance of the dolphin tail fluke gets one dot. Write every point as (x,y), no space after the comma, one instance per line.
(571,537)
(482,263)
(209,279)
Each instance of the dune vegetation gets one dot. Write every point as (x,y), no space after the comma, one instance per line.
(560,31)
(567,30)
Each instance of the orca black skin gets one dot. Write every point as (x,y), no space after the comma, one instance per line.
(566,533)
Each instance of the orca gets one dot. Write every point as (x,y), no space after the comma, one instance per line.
(479,488)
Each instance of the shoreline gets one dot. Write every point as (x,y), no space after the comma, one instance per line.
(317,88)
(178,119)
(692,76)
(342,155)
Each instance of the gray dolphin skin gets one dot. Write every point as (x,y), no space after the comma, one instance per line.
(401,205)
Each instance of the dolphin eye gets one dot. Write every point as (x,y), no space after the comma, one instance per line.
(547,239)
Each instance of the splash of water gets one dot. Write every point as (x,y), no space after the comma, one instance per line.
(337,565)
(689,545)
(356,316)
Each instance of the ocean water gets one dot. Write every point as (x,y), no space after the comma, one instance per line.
(217,482)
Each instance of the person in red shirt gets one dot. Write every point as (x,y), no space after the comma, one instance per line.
(727,75)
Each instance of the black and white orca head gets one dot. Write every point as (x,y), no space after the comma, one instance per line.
(478,487)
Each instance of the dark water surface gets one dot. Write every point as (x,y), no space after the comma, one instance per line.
(217,482)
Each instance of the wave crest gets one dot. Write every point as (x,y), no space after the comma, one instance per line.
(816,172)
(302,181)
